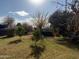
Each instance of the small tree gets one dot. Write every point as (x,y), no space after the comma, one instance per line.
(39,22)
(19,30)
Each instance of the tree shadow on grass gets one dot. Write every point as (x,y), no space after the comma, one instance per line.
(36,51)
(68,44)
(15,42)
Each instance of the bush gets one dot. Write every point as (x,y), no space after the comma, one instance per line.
(19,30)
(10,32)
(37,35)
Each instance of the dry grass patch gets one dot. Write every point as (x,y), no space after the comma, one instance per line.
(22,50)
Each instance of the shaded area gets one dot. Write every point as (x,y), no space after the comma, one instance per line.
(3,30)
(46,32)
(36,51)
(15,42)
(68,43)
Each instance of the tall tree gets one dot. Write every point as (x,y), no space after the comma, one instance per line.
(74,21)
(75,6)
(9,21)
(59,21)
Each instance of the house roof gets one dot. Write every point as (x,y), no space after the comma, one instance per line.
(3,26)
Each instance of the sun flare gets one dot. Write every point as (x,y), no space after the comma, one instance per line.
(37,2)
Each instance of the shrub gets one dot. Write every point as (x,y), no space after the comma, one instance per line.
(37,35)
(19,30)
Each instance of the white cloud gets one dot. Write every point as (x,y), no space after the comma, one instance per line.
(20,13)
(27,20)
(2,19)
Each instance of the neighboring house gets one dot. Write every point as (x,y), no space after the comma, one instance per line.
(3,30)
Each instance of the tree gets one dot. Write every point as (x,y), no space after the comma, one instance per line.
(39,22)
(75,6)
(27,27)
(74,22)
(59,22)
(9,21)
(19,30)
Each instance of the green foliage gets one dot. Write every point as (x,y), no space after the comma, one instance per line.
(37,35)
(19,30)
(10,32)
(60,21)
(27,27)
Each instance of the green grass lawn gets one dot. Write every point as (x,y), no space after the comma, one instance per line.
(22,50)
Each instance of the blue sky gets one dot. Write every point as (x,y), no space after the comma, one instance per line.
(22,10)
